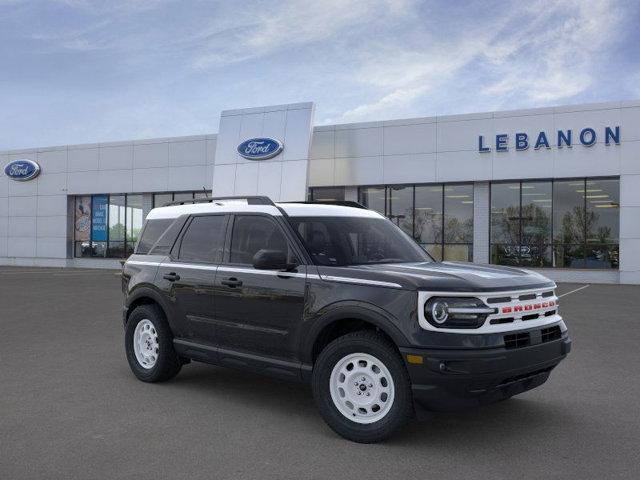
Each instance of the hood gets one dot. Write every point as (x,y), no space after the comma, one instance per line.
(446,276)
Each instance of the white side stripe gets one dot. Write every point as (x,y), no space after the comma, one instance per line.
(359,281)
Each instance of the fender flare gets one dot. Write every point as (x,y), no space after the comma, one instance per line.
(146,291)
(352,310)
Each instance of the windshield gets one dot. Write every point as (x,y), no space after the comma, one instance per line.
(342,241)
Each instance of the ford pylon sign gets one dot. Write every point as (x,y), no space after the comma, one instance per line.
(22,170)
(260,148)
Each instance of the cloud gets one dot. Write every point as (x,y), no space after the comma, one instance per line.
(288,24)
(538,53)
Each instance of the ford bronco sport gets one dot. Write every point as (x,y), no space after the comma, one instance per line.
(337,296)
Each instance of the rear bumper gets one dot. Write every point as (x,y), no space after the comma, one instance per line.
(451,379)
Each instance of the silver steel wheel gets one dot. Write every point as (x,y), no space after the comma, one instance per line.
(361,388)
(145,344)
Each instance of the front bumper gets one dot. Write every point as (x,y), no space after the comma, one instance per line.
(452,379)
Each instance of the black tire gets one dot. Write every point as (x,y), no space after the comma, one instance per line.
(374,344)
(168,363)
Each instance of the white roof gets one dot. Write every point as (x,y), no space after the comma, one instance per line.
(324,210)
(292,209)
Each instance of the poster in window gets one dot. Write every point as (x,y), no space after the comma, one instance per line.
(83,219)
(99,218)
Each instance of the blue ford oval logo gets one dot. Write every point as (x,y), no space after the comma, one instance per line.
(22,170)
(260,148)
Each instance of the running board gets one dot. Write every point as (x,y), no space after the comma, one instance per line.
(289,370)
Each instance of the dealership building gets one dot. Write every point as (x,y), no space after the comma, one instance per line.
(553,189)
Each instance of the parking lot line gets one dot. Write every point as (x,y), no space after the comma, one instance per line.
(574,291)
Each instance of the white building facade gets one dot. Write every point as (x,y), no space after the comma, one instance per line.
(553,189)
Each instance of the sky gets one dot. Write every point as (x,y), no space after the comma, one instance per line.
(80,71)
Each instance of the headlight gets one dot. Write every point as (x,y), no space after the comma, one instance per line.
(456,312)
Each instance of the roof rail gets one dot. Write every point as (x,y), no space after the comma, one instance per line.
(341,203)
(251,200)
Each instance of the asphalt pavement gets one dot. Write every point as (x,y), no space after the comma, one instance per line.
(71,409)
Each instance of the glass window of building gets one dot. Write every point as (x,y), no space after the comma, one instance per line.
(82,226)
(505,223)
(117,219)
(182,196)
(400,207)
(327,194)
(373,198)
(536,220)
(438,217)
(161,199)
(458,223)
(602,225)
(107,225)
(428,218)
(564,224)
(134,221)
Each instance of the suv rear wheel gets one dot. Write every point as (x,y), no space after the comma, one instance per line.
(362,388)
(149,345)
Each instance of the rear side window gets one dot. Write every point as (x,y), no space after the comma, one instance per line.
(252,233)
(203,240)
(153,229)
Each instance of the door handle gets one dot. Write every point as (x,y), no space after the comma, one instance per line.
(172,277)
(232,282)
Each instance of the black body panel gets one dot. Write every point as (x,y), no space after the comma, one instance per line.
(270,321)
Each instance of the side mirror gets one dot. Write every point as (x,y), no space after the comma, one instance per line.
(271,260)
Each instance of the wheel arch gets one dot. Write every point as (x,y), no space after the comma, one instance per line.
(144,296)
(346,318)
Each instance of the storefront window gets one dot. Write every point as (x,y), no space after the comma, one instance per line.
(400,207)
(439,217)
(564,224)
(373,198)
(82,226)
(107,225)
(134,221)
(161,199)
(458,222)
(327,194)
(428,219)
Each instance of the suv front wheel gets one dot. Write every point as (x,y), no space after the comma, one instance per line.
(362,387)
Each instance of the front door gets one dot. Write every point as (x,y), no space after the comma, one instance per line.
(256,309)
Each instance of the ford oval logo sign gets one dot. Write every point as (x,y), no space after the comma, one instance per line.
(260,148)
(22,170)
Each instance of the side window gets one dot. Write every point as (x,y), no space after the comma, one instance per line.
(204,239)
(252,233)
(153,229)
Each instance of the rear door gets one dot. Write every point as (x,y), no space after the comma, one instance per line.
(256,310)
(188,276)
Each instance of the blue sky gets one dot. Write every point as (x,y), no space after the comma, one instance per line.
(76,71)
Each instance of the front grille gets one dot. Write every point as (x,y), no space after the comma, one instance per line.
(551,333)
(499,300)
(517,340)
(528,296)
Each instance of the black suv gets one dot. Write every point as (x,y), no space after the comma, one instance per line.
(338,296)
